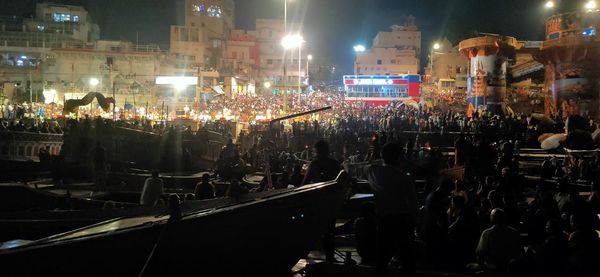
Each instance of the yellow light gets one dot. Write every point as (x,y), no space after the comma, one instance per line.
(549,4)
(436,46)
(267,84)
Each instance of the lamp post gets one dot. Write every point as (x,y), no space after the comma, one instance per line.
(358,49)
(289,42)
(308,59)
(436,46)
(591,5)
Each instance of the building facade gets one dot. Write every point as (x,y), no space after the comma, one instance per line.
(447,68)
(393,52)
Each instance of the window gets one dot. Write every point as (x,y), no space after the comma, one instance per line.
(234,55)
(76,18)
(41,28)
(378,61)
(393,61)
(269,61)
(198,8)
(62,17)
(214,11)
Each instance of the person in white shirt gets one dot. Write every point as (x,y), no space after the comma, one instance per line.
(153,190)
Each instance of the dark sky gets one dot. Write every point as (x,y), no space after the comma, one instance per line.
(332,27)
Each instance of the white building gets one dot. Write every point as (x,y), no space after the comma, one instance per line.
(393,52)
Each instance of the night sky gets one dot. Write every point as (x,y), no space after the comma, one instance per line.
(332,27)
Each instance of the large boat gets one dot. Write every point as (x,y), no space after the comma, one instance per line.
(262,234)
(20,152)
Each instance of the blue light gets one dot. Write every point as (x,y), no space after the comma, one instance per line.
(588,32)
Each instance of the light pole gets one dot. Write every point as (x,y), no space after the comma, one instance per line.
(289,42)
(358,49)
(308,59)
(284,58)
(436,46)
(591,5)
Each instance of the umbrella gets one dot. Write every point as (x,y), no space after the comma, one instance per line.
(553,141)
(543,119)
(544,136)
(411,103)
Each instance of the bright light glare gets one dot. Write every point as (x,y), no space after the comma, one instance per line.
(359,48)
(180,86)
(549,4)
(292,41)
(49,95)
(591,5)
(309,57)
(436,46)
(173,80)
(267,84)
(94,82)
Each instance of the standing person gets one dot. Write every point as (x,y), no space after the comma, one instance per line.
(152,191)
(322,168)
(396,210)
(99,159)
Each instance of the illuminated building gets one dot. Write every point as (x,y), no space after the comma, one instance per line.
(393,52)
(571,55)
(449,68)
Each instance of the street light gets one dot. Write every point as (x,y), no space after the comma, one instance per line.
(436,46)
(591,5)
(308,59)
(94,82)
(549,4)
(289,42)
(358,49)
(267,85)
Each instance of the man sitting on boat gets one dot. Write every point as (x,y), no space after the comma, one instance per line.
(152,191)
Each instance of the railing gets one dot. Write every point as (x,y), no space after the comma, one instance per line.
(569,38)
(25,146)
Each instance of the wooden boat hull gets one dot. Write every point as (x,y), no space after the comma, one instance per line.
(255,237)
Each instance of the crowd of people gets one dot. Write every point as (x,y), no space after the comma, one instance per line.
(489,220)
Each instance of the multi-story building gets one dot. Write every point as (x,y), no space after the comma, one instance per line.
(25,43)
(110,67)
(447,68)
(201,41)
(393,52)
(270,32)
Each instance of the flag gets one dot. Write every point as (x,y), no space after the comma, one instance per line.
(510,111)
(470,110)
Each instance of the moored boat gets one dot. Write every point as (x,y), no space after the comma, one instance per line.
(261,234)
